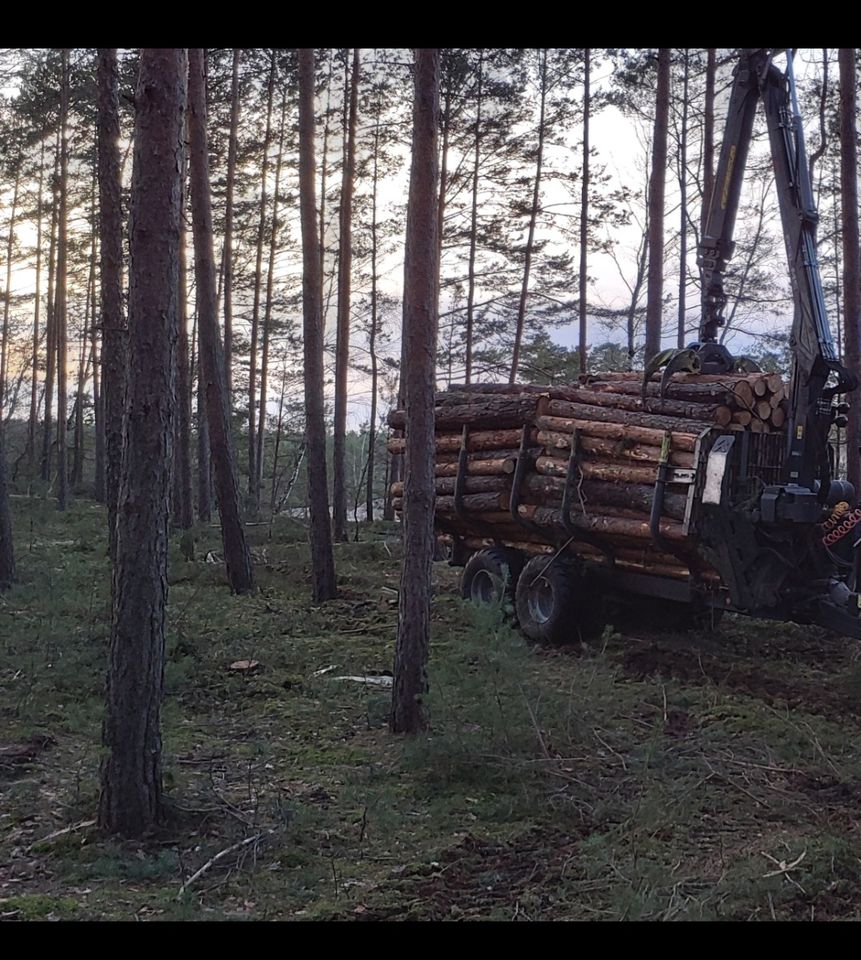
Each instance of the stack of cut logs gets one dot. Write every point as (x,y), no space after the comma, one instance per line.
(620,437)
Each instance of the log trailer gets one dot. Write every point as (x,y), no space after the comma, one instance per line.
(677,501)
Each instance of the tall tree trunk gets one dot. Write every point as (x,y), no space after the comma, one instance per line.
(253,488)
(322,560)
(204,461)
(533,218)
(236,554)
(34,374)
(683,209)
(83,363)
(183,505)
(131,798)
(267,312)
(709,137)
(657,181)
(372,345)
(7,554)
(851,261)
(51,331)
(420,329)
(228,228)
(7,294)
(443,184)
(62,290)
(584,206)
(274,487)
(114,324)
(473,233)
(98,402)
(342,349)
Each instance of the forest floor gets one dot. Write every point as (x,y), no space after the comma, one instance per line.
(648,776)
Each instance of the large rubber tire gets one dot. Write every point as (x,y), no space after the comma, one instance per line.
(555,603)
(489,576)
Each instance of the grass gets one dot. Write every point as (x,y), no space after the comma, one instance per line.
(651,776)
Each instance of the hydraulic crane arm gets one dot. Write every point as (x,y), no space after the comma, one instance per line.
(814,357)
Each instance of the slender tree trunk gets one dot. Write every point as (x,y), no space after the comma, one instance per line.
(533,218)
(115,331)
(324,167)
(322,560)
(236,554)
(7,554)
(7,294)
(657,181)
(443,184)
(851,261)
(709,136)
(131,798)
(274,486)
(183,497)
(584,207)
(228,228)
(267,312)
(420,329)
(473,233)
(204,461)
(342,349)
(253,488)
(683,209)
(372,345)
(83,364)
(51,332)
(62,285)
(34,374)
(98,402)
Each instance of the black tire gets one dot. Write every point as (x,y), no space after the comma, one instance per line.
(556,603)
(489,576)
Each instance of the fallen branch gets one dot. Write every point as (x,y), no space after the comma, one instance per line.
(220,855)
(60,833)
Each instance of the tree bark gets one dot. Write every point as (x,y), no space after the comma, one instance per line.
(584,209)
(51,334)
(372,344)
(62,282)
(7,294)
(473,233)
(267,311)
(114,325)
(253,488)
(342,349)
(683,209)
(34,375)
(228,228)
(131,798)
(236,554)
(183,506)
(851,262)
(322,561)
(533,217)
(657,181)
(420,332)
(7,554)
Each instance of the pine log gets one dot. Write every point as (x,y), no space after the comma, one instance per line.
(763,409)
(477,441)
(707,412)
(488,413)
(618,449)
(546,489)
(776,398)
(778,417)
(478,468)
(619,472)
(743,417)
(703,393)
(775,382)
(547,517)
(444,486)
(760,386)
(564,408)
(618,431)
